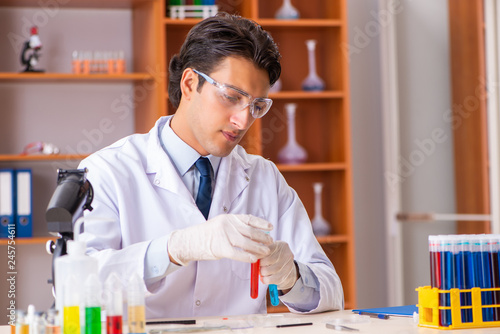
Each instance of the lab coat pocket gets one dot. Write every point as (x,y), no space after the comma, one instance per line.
(241,269)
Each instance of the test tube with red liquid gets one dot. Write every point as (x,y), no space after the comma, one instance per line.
(254,280)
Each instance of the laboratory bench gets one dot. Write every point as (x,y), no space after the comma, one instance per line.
(267,324)
(263,324)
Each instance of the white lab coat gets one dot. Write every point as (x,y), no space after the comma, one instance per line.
(140,195)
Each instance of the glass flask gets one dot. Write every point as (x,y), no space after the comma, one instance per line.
(313,82)
(292,152)
(319,224)
(287,11)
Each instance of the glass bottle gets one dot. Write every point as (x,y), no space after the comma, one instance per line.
(287,11)
(313,82)
(319,224)
(52,323)
(292,152)
(22,326)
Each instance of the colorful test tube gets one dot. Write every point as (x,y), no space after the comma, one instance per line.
(273,293)
(254,279)
(447,279)
(494,244)
(486,296)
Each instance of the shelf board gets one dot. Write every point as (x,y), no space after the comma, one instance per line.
(98,4)
(300,23)
(188,22)
(41,157)
(333,239)
(267,23)
(311,167)
(76,77)
(300,94)
(28,241)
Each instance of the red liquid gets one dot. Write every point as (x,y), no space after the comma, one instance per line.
(254,280)
(114,324)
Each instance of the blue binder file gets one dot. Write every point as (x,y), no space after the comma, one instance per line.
(24,217)
(401,311)
(6,202)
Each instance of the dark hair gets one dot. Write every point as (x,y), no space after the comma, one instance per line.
(212,40)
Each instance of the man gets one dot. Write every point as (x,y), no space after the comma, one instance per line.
(187,208)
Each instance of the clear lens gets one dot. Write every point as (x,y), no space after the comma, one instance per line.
(261,107)
(234,100)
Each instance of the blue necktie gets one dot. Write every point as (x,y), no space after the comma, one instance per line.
(204,198)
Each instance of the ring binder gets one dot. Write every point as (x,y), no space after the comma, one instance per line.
(24,223)
(6,201)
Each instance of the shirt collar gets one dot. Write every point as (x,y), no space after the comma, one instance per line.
(182,155)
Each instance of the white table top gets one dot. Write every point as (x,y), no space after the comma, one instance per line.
(264,324)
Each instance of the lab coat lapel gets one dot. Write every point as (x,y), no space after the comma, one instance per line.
(232,179)
(158,163)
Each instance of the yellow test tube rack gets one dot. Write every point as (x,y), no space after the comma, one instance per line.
(429,309)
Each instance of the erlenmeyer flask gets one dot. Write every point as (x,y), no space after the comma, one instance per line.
(313,82)
(291,153)
(319,224)
(287,11)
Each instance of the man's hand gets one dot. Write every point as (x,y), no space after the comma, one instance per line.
(279,267)
(236,237)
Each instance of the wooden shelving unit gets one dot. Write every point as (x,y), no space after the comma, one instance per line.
(323,126)
(323,118)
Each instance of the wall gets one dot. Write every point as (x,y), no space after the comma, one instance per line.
(367,150)
(78,117)
(424,96)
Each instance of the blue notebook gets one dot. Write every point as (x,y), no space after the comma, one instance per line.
(401,311)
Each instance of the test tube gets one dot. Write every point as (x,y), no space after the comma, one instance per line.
(136,306)
(92,305)
(494,244)
(254,279)
(71,308)
(51,322)
(30,318)
(461,248)
(273,294)
(38,325)
(486,296)
(447,279)
(470,277)
(114,304)
(434,260)
(22,326)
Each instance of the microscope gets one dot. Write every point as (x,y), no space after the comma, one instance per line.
(72,196)
(30,52)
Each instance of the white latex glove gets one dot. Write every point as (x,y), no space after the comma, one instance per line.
(236,237)
(279,267)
